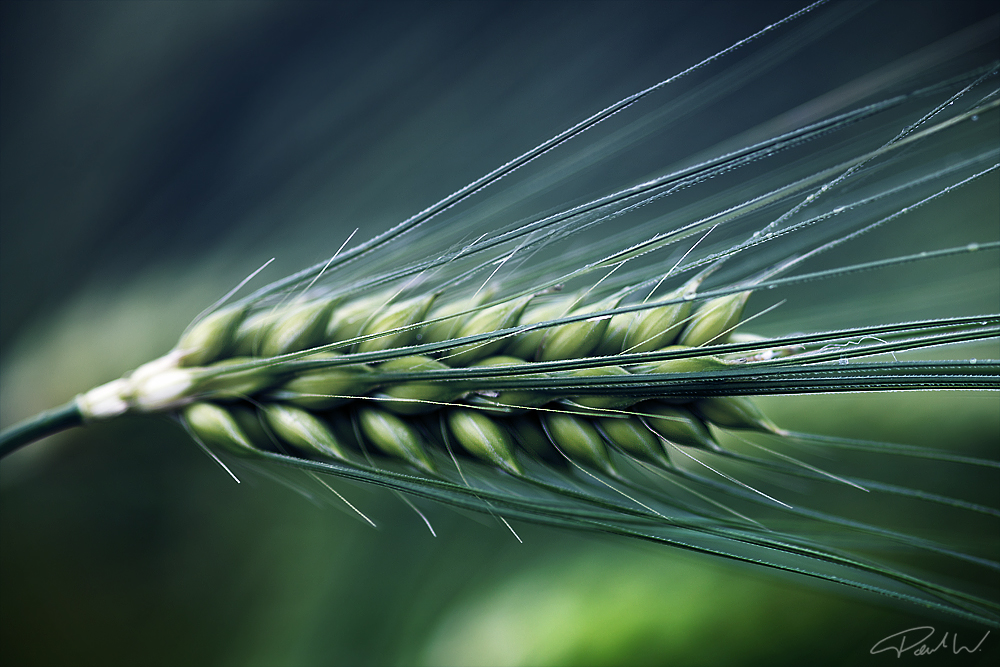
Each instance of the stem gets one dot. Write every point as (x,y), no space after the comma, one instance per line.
(41,425)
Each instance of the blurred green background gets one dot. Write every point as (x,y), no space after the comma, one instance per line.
(154,153)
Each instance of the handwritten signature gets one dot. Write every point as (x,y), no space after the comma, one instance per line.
(919,641)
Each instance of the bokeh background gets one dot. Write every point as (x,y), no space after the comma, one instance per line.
(155,153)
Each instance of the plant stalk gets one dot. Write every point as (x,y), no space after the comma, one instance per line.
(41,425)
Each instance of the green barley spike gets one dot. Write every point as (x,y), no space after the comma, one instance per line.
(247,378)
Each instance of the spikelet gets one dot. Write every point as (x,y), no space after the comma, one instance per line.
(484,438)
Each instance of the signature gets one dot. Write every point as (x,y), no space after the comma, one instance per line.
(920,641)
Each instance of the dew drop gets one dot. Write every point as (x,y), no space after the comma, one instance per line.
(975,118)
(972,361)
(972,247)
(843,361)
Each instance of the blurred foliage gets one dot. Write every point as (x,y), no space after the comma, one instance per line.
(155,153)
